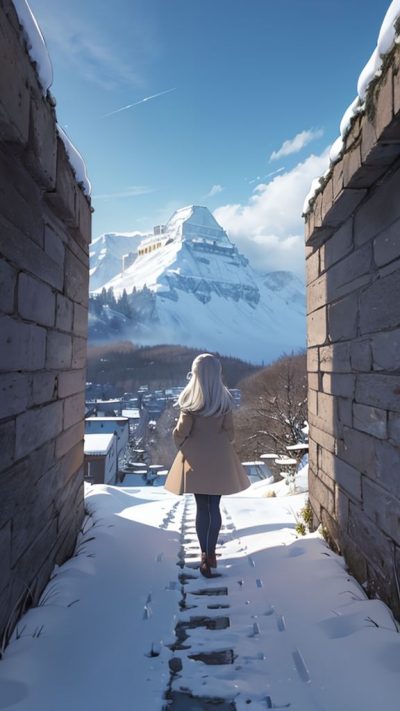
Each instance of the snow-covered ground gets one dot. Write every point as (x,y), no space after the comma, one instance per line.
(301,633)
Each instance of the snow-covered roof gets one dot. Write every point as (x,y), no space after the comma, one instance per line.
(102,419)
(98,443)
(198,217)
(386,40)
(39,55)
(132,414)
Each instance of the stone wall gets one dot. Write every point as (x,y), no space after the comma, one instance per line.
(353,276)
(45,228)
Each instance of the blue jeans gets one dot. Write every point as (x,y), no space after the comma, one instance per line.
(208,521)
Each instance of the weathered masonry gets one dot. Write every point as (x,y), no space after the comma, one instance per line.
(45,227)
(353,275)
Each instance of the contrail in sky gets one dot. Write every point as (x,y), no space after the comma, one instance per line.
(142,101)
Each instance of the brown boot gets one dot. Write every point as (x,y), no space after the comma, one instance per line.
(205,566)
(212,559)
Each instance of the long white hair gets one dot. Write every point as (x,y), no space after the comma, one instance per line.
(205,393)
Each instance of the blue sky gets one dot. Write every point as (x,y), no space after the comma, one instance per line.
(246,77)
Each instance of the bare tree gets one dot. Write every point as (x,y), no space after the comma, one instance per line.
(274,407)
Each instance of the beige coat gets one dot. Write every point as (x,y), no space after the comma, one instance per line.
(206,462)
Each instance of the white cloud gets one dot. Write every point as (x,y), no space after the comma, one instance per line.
(215,190)
(296,144)
(133,191)
(269,228)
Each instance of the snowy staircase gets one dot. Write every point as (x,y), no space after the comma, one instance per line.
(232,650)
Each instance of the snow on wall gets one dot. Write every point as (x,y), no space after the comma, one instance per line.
(39,55)
(386,39)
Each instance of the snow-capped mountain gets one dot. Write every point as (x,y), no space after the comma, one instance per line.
(190,285)
(288,286)
(106,254)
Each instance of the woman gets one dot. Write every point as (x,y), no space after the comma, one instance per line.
(206,464)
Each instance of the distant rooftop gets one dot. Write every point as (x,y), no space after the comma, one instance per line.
(98,443)
(98,419)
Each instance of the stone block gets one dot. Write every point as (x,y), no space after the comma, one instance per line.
(71,382)
(338,384)
(312,359)
(54,245)
(79,352)
(316,294)
(380,304)
(316,328)
(316,211)
(74,409)
(337,177)
(64,313)
(38,505)
(84,216)
(20,479)
(312,402)
(379,390)
(76,279)
(313,381)
(327,198)
(343,318)
(354,558)
(383,509)
(59,350)
(394,427)
(22,345)
(345,413)
(80,320)
(37,426)
(28,565)
(361,355)
(340,245)
(345,204)
(387,245)
(63,198)
(8,280)
(69,438)
(358,449)
(14,393)
(387,466)
(29,257)
(7,444)
(14,102)
(346,272)
(44,387)
(20,199)
(41,156)
(327,412)
(36,300)
(335,358)
(384,102)
(321,493)
(312,454)
(370,419)
(379,211)
(375,545)
(324,439)
(5,550)
(66,500)
(348,478)
(351,167)
(326,468)
(312,267)
(342,502)
(386,350)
